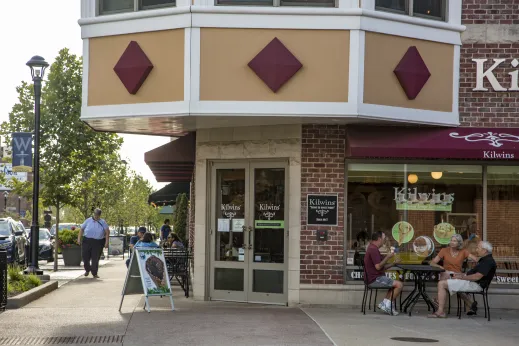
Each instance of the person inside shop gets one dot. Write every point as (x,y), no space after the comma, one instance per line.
(376,266)
(146,242)
(473,281)
(133,240)
(453,257)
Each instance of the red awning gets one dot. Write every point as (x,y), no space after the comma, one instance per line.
(433,143)
(174,161)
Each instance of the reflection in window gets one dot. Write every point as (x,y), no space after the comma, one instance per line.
(114,6)
(432,9)
(314,3)
(307,3)
(269,215)
(429,8)
(230,215)
(148,4)
(393,5)
(503,220)
(409,201)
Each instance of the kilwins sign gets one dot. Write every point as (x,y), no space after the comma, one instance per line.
(412,199)
(322,210)
(508,84)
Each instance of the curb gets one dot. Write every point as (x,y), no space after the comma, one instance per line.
(31,295)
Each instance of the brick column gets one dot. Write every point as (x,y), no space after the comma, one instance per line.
(322,172)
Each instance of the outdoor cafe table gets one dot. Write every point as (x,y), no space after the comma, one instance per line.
(420,273)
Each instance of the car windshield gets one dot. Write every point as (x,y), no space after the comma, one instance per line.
(44,235)
(4,229)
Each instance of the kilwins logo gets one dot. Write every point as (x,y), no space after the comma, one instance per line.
(230,210)
(413,196)
(269,210)
(318,202)
(322,212)
(494,139)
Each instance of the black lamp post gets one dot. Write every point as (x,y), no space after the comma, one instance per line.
(38,66)
(5,200)
(19,206)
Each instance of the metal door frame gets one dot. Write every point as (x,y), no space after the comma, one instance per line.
(248,264)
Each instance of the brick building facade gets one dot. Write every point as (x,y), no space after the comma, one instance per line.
(375,103)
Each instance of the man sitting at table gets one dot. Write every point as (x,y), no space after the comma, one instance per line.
(473,281)
(375,267)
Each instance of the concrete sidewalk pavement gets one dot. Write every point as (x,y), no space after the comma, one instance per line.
(85,311)
(88,308)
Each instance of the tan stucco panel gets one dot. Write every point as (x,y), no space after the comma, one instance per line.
(381,87)
(165,83)
(225,76)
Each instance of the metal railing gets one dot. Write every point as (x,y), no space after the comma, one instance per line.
(3,279)
(178,266)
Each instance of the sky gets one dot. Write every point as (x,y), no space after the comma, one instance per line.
(43,27)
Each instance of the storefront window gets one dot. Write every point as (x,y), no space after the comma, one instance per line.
(418,207)
(503,221)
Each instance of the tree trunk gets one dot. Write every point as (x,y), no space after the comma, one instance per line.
(56,239)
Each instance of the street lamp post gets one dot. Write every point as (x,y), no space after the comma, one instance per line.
(19,206)
(38,66)
(5,200)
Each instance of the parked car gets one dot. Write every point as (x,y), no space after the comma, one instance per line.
(45,245)
(62,226)
(13,239)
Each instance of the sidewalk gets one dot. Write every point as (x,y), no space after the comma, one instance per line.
(85,311)
(87,307)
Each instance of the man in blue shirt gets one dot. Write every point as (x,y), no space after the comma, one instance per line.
(94,233)
(165,230)
(133,240)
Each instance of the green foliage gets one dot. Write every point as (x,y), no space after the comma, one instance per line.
(181,212)
(68,238)
(33,280)
(18,283)
(14,273)
(80,169)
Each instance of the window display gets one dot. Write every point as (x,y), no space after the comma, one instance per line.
(419,207)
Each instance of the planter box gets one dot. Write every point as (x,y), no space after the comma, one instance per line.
(72,256)
(26,297)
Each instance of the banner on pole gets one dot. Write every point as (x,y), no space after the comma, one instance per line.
(22,151)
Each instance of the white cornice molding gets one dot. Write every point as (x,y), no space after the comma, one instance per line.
(278,11)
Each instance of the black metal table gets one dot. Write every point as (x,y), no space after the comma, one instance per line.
(420,274)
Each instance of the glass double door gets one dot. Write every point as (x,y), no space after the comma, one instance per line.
(249,232)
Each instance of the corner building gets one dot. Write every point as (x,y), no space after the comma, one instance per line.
(303,126)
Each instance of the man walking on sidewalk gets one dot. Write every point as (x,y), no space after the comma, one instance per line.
(93,235)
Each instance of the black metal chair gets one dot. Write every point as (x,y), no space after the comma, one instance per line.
(483,293)
(374,286)
(177,263)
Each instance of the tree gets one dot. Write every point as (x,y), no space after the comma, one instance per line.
(180,222)
(68,147)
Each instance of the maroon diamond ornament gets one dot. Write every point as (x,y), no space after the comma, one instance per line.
(133,67)
(412,73)
(275,65)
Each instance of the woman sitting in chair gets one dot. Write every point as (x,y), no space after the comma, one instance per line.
(146,241)
(453,257)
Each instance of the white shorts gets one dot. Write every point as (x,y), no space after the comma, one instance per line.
(456,285)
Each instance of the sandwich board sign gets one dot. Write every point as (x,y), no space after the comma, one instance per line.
(147,274)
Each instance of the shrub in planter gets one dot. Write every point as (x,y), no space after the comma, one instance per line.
(71,250)
(18,283)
